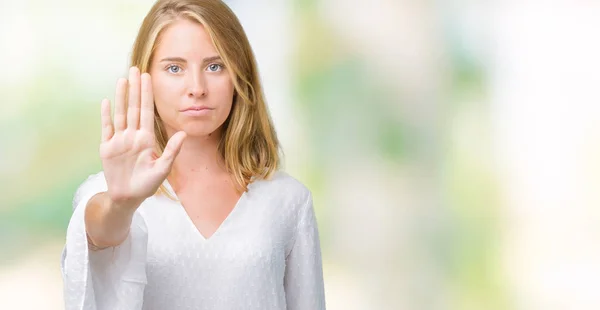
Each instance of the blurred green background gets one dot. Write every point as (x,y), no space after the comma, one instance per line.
(452,147)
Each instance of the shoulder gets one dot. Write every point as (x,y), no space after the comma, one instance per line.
(93,180)
(284,183)
(92,185)
(283,186)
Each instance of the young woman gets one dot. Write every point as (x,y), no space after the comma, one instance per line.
(190,210)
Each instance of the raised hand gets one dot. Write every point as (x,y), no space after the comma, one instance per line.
(132,170)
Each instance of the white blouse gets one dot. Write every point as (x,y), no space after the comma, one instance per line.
(265,255)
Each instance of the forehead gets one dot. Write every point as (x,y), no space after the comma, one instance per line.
(185,38)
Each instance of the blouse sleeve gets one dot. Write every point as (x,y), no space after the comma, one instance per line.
(303,281)
(111,278)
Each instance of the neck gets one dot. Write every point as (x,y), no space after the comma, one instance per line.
(197,160)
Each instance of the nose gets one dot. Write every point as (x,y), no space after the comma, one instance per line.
(197,84)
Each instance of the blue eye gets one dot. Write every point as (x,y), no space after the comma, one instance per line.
(174,66)
(214,67)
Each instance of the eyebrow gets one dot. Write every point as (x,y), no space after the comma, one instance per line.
(179,59)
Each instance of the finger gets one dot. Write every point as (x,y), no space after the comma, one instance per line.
(107,126)
(165,161)
(120,105)
(133,108)
(147,109)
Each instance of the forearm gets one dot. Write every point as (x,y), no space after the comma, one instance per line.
(107,222)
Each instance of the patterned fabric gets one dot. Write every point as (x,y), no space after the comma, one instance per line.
(265,255)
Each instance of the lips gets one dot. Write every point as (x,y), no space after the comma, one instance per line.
(197,111)
(196,108)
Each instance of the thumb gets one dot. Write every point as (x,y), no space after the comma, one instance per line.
(171,150)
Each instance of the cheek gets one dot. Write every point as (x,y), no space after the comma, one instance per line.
(162,88)
(166,92)
(164,98)
(223,89)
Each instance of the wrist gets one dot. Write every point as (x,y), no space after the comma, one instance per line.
(125,207)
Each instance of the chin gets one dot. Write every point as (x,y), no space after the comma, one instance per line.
(200,130)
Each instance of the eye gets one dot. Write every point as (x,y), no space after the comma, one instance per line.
(215,67)
(174,69)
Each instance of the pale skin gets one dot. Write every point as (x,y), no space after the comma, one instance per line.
(185,72)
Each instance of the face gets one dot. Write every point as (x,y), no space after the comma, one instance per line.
(193,90)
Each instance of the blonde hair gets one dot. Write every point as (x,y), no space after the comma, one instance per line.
(249,144)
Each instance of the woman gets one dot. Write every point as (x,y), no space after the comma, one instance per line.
(190,210)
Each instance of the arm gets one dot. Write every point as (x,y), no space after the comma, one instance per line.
(132,170)
(105,204)
(112,278)
(107,222)
(303,282)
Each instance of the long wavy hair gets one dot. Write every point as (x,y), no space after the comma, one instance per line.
(249,145)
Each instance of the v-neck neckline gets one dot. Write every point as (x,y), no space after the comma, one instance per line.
(191,222)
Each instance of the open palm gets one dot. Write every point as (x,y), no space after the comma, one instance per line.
(133,171)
